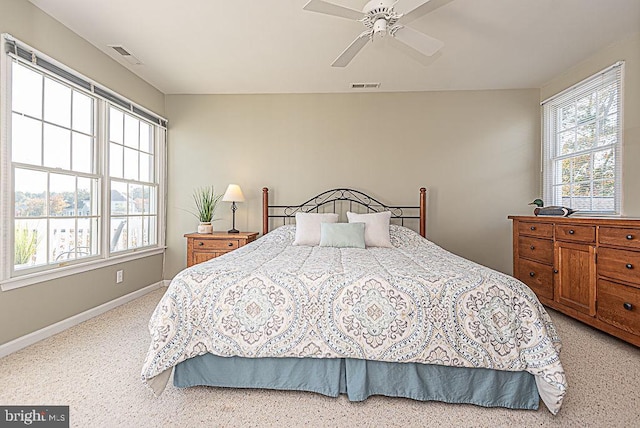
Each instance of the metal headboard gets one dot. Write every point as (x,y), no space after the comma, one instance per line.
(331,198)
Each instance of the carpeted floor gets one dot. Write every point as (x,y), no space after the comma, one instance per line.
(95,369)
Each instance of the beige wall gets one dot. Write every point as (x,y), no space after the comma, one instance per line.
(629,51)
(477,152)
(28,309)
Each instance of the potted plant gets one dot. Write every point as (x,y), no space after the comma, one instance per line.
(206,203)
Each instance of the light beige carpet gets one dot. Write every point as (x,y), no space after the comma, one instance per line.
(95,369)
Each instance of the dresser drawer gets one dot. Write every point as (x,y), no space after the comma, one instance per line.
(575,233)
(621,237)
(215,244)
(536,249)
(537,276)
(619,305)
(619,264)
(540,230)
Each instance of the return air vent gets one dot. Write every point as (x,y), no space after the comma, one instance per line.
(124,53)
(365,85)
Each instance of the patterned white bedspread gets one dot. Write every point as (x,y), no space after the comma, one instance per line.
(415,302)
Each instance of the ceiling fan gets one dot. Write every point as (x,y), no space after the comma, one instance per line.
(380,18)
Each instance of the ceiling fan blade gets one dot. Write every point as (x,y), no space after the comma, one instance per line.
(414,9)
(422,43)
(423,60)
(349,53)
(322,6)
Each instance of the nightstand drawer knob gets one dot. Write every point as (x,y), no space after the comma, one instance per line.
(230,244)
(555,271)
(629,237)
(629,266)
(533,228)
(532,247)
(201,243)
(628,306)
(532,274)
(571,231)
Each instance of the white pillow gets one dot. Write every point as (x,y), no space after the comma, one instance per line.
(308,227)
(376,229)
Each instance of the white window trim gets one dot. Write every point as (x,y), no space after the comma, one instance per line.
(62,271)
(67,268)
(547,146)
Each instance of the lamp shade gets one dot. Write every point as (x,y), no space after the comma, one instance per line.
(233,194)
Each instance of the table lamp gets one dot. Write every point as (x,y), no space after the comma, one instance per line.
(233,195)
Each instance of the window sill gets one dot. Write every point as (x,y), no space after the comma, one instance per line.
(34,278)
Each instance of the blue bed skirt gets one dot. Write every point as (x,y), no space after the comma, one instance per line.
(360,379)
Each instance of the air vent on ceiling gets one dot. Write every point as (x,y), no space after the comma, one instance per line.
(365,85)
(124,52)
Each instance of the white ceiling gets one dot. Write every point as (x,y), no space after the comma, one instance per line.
(273,46)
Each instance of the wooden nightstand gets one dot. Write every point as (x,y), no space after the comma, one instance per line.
(205,246)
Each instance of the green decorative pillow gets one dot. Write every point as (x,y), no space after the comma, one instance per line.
(342,235)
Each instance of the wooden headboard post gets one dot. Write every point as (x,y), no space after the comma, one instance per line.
(423,210)
(265,210)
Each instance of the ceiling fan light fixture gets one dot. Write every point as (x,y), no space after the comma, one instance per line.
(380,27)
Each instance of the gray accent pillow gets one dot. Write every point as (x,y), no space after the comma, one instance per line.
(342,235)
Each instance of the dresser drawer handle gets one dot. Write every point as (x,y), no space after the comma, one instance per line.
(201,243)
(629,266)
(628,306)
(571,231)
(532,274)
(532,247)
(533,228)
(555,271)
(629,237)
(230,244)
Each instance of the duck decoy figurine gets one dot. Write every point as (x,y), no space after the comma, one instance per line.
(553,210)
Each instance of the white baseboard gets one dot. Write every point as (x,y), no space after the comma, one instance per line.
(43,333)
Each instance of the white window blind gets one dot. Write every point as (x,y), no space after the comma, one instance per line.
(582,144)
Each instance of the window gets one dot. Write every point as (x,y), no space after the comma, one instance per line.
(583,144)
(133,208)
(53,169)
(81,171)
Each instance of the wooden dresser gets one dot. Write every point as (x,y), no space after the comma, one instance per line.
(587,268)
(205,246)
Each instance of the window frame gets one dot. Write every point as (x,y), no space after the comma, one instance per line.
(127,181)
(53,170)
(9,277)
(551,142)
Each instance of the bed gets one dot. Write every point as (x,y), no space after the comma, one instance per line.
(407,319)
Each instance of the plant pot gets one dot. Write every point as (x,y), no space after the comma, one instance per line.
(205,227)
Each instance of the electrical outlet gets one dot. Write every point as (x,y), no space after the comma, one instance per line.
(119,276)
